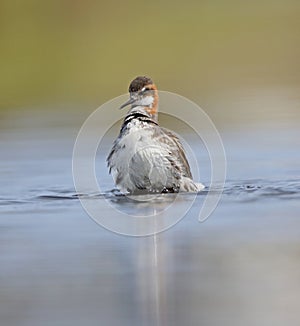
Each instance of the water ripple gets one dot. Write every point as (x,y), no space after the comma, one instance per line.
(241,191)
(261,189)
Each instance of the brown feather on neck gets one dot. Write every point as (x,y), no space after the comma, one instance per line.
(154,106)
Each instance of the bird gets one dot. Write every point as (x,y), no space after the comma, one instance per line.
(145,157)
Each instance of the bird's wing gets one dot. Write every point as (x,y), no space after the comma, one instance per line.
(177,151)
(109,159)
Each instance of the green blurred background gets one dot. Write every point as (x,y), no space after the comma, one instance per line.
(72,51)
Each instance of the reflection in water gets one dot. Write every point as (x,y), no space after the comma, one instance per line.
(150,285)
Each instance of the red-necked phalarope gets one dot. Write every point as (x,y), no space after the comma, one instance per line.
(146,157)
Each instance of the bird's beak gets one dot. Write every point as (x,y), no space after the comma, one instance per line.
(130,101)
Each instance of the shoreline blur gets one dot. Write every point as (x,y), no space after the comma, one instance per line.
(87,52)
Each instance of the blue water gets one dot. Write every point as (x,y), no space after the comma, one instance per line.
(58,267)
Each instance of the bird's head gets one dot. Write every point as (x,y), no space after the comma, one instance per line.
(144,94)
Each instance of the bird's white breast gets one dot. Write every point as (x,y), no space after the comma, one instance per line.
(139,157)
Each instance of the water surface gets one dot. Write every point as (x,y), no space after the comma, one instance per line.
(58,267)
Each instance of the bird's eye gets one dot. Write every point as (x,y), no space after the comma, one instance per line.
(146,89)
